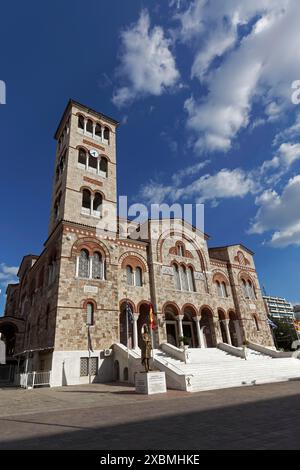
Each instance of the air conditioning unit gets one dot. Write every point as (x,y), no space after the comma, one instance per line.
(107,352)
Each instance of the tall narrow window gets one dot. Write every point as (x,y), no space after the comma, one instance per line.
(129,275)
(97,204)
(106,133)
(103,167)
(191,279)
(256,323)
(98,131)
(97,266)
(185,285)
(224,289)
(180,250)
(89,126)
(138,277)
(80,122)
(245,289)
(82,157)
(251,293)
(90,314)
(83,266)
(177,277)
(93,164)
(86,199)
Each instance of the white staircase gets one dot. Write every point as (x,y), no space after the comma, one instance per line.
(210,369)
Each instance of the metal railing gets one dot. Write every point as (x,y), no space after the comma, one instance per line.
(34,379)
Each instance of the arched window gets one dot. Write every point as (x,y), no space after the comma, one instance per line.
(224,289)
(62,162)
(245,289)
(97,205)
(80,122)
(256,323)
(191,279)
(219,289)
(89,126)
(103,167)
(138,277)
(98,272)
(93,164)
(90,314)
(176,277)
(106,134)
(180,249)
(184,278)
(251,292)
(83,264)
(129,274)
(82,158)
(57,208)
(98,131)
(86,199)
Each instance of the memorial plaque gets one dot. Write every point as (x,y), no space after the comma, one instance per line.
(150,383)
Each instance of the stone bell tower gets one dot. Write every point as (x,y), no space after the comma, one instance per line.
(85,185)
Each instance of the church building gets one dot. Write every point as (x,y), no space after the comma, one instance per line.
(70,306)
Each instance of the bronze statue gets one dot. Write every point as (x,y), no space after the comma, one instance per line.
(146,347)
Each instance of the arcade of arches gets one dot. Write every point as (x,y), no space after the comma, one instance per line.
(199,331)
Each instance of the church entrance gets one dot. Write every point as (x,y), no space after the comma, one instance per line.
(207,327)
(172,334)
(126,328)
(189,327)
(171,325)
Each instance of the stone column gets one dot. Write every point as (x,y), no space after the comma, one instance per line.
(226,323)
(180,329)
(135,332)
(199,332)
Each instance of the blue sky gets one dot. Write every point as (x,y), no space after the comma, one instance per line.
(203,93)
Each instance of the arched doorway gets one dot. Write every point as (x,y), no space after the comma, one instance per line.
(189,327)
(234,329)
(222,320)
(207,327)
(126,327)
(144,318)
(171,313)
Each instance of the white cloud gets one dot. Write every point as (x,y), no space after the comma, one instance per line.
(280,215)
(188,171)
(147,63)
(249,69)
(222,185)
(8,274)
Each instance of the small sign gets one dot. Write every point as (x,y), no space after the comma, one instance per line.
(90,290)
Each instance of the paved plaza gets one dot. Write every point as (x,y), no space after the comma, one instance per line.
(113,417)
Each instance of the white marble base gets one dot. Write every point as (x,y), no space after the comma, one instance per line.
(149,383)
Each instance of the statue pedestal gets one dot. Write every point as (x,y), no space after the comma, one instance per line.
(149,383)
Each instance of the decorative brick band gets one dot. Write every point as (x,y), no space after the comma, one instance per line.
(91,180)
(92,144)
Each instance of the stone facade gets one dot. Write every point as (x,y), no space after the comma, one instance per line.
(208,295)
